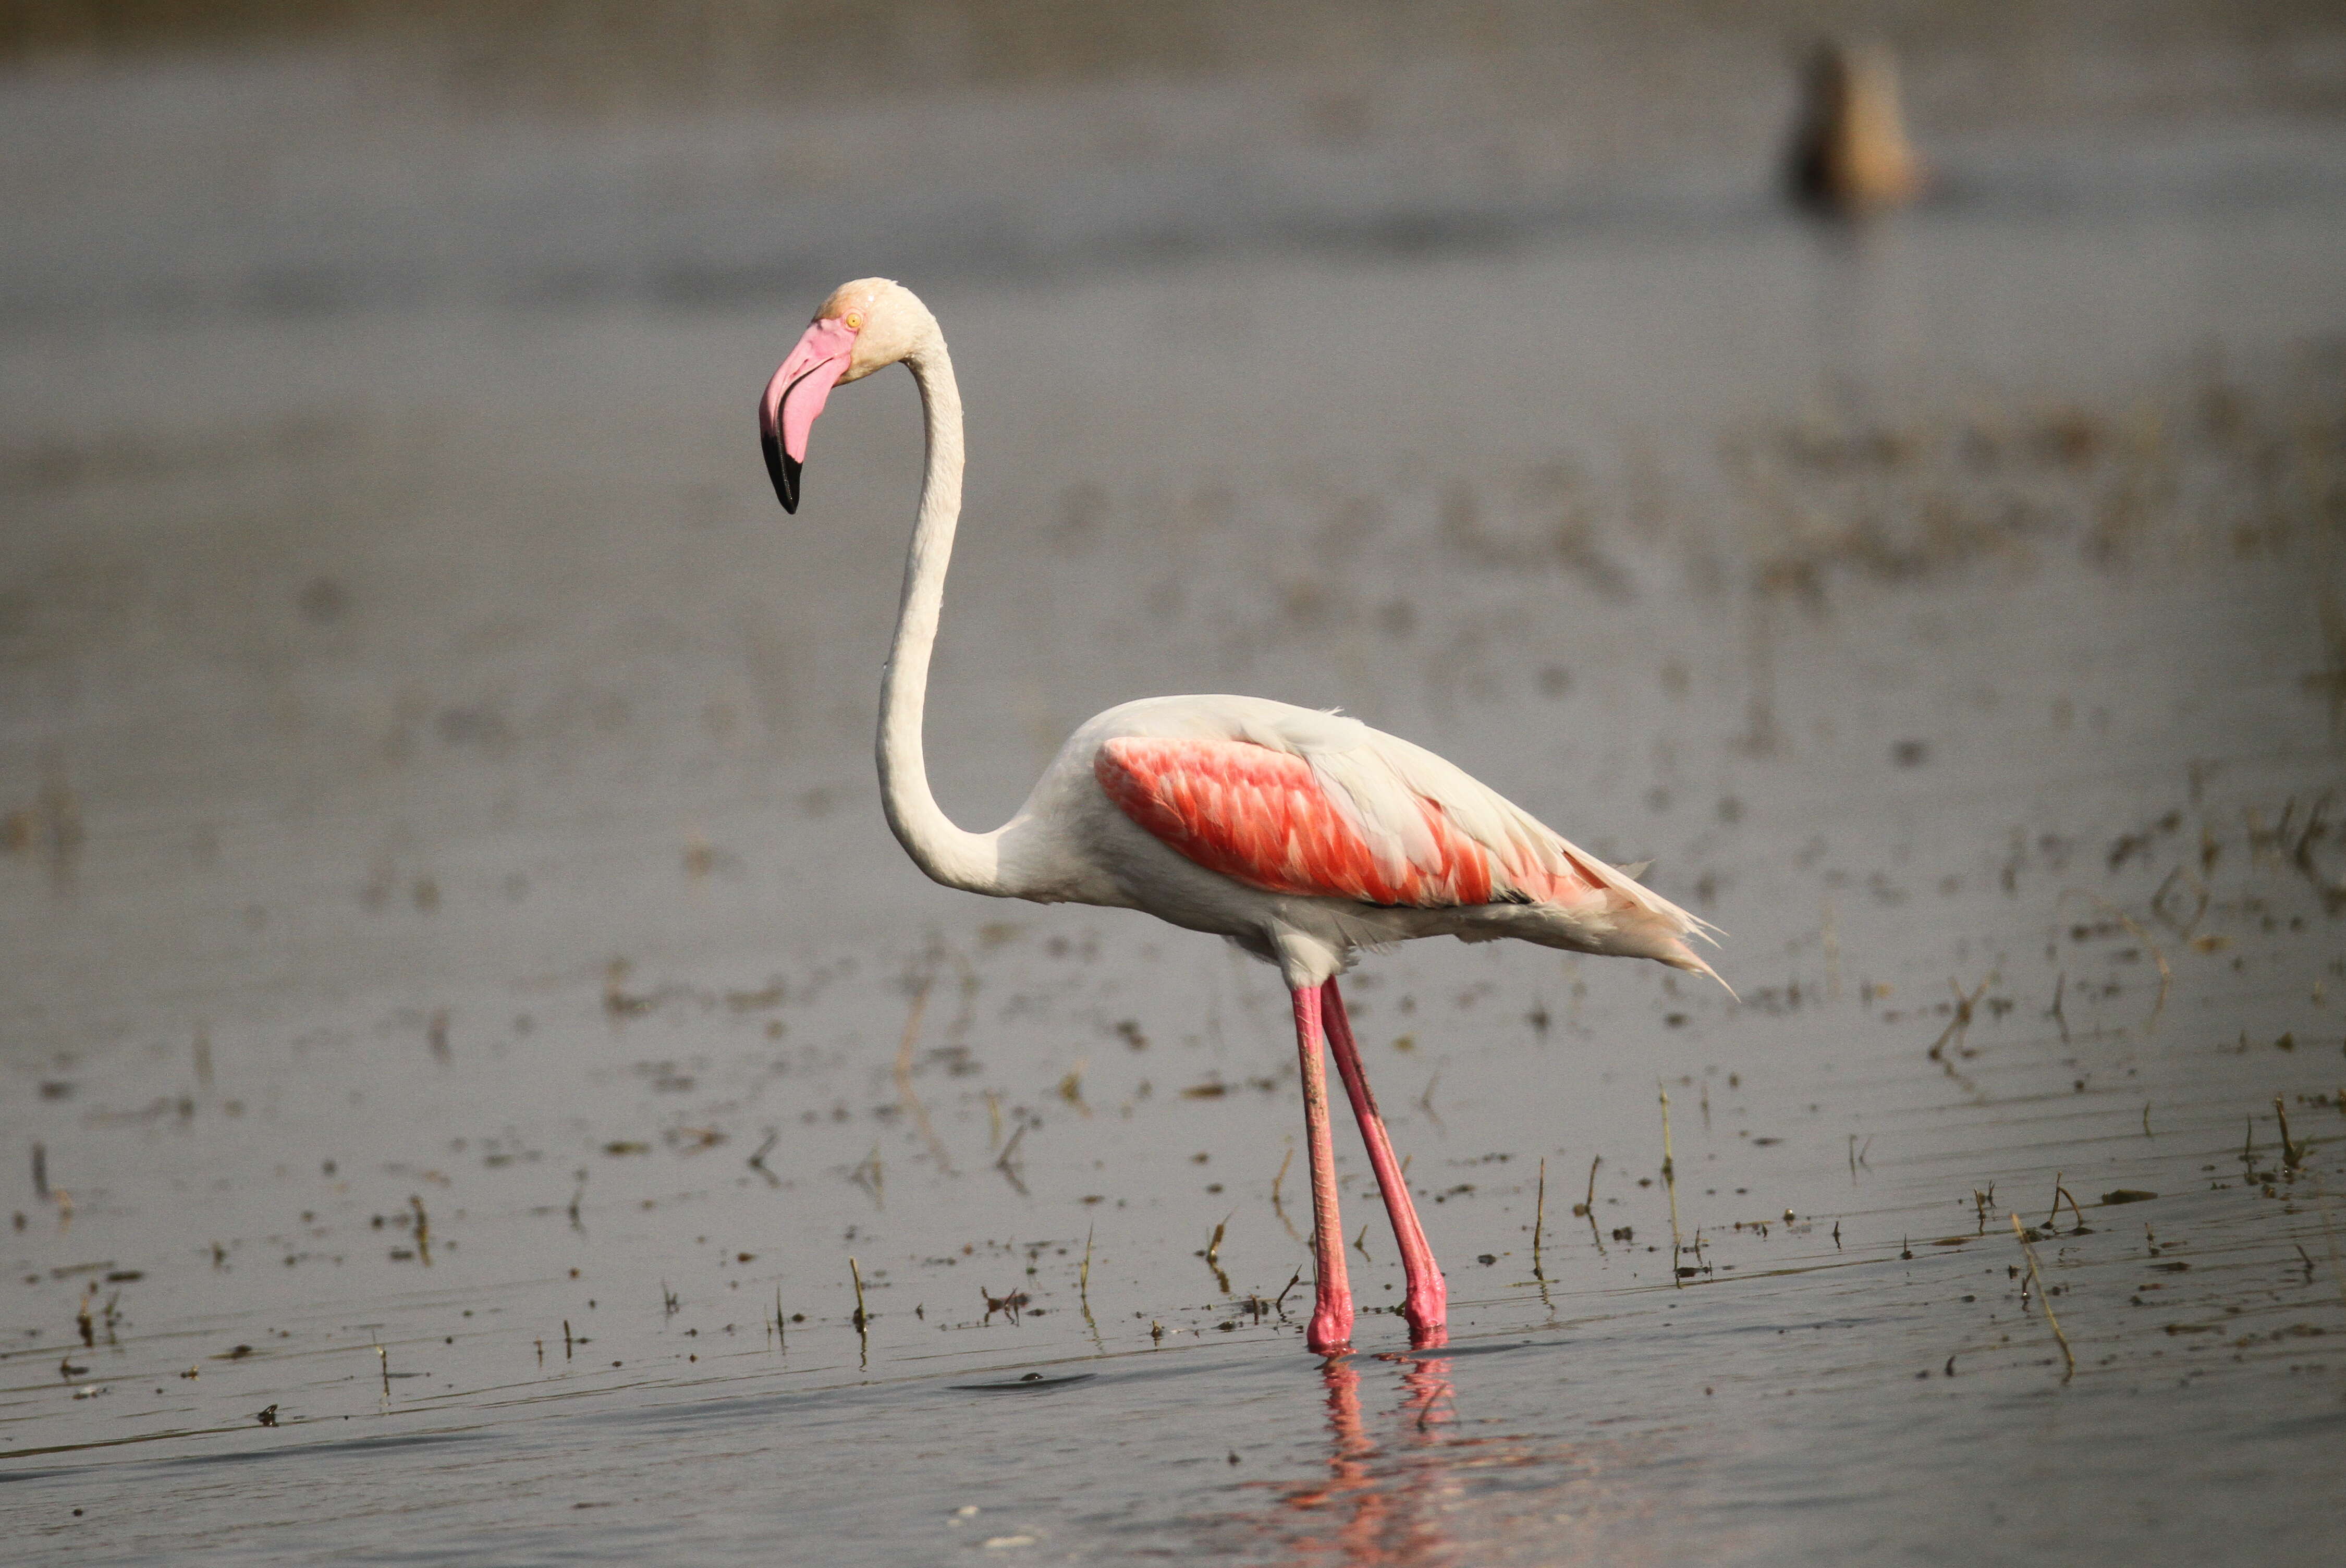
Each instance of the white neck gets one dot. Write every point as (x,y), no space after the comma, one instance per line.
(948,854)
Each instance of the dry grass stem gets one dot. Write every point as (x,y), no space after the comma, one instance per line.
(1280,1305)
(2036,1277)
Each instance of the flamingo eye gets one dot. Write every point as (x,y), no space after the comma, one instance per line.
(854,321)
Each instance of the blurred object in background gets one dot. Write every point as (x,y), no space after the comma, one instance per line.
(1850,154)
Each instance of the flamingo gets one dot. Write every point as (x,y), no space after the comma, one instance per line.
(1302,836)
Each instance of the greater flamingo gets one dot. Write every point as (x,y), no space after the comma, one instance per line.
(1300,836)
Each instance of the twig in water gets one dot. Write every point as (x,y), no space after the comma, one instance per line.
(566,1343)
(383,1358)
(1539,1216)
(855,1273)
(1280,1305)
(2067,1356)
(423,1231)
(757,1161)
(669,1307)
(575,1195)
(1214,1252)
(2293,1154)
(1360,1243)
(1671,1182)
(2146,1119)
(2060,1193)
(781,1328)
(1083,1292)
(1276,1206)
(40,1171)
(1959,1025)
(872,1177)
(1587,1206)
(905,1081)
(1003,1162)
(2060,986)
(1426,1100)
(992,1118)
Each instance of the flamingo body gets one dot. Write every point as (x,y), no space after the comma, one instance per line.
(1302,836)
(1306,837)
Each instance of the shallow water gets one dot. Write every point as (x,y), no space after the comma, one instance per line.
(461,989)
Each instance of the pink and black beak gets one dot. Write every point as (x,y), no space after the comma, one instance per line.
(796,394)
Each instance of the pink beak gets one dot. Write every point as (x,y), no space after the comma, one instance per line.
(796,394)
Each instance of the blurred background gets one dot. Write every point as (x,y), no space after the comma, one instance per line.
(374,468)
(432,770)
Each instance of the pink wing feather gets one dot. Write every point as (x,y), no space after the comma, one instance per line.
(1264,816)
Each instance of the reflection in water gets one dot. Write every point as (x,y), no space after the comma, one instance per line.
(1409,1487)
(1381,1505)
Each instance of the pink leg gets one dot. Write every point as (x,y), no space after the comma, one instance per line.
(1427,1305)
(1332,1312)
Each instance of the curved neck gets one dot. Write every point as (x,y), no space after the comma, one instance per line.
(948,854)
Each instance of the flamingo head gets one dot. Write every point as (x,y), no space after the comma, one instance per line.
(864,326)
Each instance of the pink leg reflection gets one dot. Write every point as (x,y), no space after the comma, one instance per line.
(1386,1505)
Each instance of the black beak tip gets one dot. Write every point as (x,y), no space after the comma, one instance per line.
(783,470)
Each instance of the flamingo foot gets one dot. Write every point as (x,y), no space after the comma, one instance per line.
(1427,1331)
(1331,1329)
(1427,1309)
